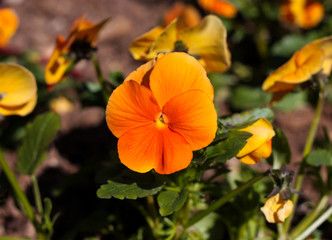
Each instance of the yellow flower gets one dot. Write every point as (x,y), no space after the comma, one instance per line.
(206,42)
(18,90)
(311,59)
(79,44)
(303,13)
(8,25)
(276,209)
(259,145)
(61,105)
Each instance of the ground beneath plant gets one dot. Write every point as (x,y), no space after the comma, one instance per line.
(41,21)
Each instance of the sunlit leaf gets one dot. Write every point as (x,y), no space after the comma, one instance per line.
(131,185)
(242,119)
(228,147)
(171,201)
(39,134)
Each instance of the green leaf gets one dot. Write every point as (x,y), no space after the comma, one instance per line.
(39,134)
(244,97)
(170,201)
(290,44)
(243,119)
(320,157)
(292,101)
(116,77)
(281,153)
(228,147)
(131,185)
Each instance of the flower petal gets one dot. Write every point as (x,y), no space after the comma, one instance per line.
(55,70)
(248,159)
(146,147)
(142,74)
(220,7)
(139,147)
(190,14)
(176,73)
(312,15)
(276,209)
(17,83)
(8,25)
(297,70)
(304,63)
(21,110)
(141,45)
(130,105)
(83,29)
(176,155)
(255,156)
(208,41)
(192,114)
(262,131)
(166,41)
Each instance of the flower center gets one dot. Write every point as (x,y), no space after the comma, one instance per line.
(161,121)
(2,96)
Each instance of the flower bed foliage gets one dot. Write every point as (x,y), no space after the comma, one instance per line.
(171,166)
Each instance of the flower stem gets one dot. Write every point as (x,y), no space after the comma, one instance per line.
(307,221)
(37,196)
(152,210)
(27,209)
(100,77)
(322,218)
(220,202)
(307,149)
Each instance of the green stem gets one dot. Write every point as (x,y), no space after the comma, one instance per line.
(100,77)
(315,224)
(17,189)
(307,221)
(152,210)
(37,196)
(306,151)
(217,204)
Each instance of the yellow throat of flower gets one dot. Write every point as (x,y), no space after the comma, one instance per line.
(161,121)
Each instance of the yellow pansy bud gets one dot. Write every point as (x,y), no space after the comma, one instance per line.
(276,209)
(259,145)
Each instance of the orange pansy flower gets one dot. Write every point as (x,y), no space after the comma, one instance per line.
(161,113)
(189,13)
(8,25)
(303,13)
(79,44)
(259,145)
(311,59)
(219,7)
(276,209)
(206,41)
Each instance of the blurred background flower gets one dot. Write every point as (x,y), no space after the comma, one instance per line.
(18,90)
(8,25)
